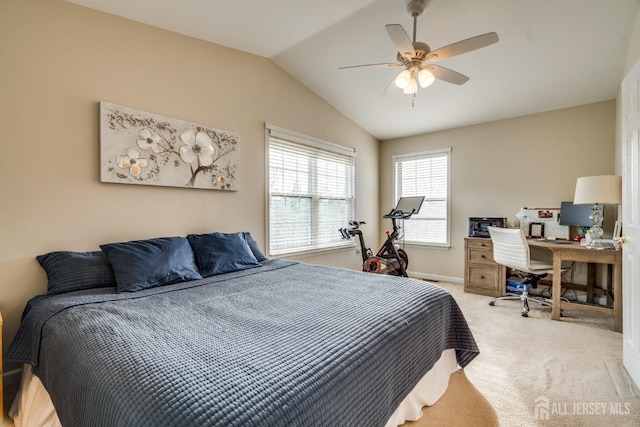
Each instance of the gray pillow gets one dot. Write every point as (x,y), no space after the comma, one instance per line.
(74,271)
(253,245)
(143,264)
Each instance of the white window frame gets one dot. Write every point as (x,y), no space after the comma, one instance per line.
(396,196)
(309,141)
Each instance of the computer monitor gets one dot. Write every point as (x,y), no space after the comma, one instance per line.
(577,215)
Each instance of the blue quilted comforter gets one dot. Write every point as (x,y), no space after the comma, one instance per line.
(285,344)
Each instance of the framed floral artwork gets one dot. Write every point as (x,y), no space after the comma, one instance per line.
(137,147)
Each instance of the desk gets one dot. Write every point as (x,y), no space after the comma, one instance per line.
(575,252)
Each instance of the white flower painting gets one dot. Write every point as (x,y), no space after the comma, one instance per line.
(137,147)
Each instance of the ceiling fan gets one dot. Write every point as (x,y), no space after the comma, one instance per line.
(416,57)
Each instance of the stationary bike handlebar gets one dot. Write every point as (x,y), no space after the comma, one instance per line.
(397,214)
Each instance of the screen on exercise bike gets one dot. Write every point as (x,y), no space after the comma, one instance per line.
(409,204)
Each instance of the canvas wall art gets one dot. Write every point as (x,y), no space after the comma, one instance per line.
(137,147)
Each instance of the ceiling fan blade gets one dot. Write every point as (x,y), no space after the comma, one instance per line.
(462,46)
(392,88)
(401,40)
(382,65)
(447,75)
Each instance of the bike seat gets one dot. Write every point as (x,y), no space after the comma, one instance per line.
(356,224)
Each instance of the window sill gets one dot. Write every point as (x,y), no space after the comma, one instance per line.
(313,252)
(426,245)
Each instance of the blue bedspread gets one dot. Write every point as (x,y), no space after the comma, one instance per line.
(285,344)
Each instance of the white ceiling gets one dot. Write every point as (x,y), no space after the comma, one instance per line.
(551,54)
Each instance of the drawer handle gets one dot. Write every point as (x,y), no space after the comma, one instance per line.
(483,245)
(482,277)
(482,256)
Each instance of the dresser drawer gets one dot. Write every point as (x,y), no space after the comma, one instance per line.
(483,277)
(475,243)
(480,256)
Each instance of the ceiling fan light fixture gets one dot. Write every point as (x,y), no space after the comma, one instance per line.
(404,79)
(425,78)
(412,87)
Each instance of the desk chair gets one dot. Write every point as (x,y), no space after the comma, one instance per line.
(510,249)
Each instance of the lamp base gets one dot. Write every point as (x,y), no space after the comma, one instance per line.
(596,231)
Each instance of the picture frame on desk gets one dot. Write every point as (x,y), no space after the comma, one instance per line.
(617,230)
(536,230)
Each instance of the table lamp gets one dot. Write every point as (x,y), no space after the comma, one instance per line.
(596,191)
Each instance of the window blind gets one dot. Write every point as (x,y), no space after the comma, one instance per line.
(311,192)
(425,174)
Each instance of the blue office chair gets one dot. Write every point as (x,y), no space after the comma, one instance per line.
(510,249)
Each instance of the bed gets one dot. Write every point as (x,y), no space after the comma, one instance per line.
(277,343)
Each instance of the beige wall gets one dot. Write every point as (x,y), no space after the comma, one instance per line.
(501,166)
(58,60)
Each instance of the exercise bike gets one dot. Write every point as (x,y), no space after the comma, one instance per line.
(390,259)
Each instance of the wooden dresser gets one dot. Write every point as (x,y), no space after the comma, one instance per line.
(481,274)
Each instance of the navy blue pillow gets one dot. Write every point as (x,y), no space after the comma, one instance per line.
(253,245)
(218,253)
(143,264)
(73,271)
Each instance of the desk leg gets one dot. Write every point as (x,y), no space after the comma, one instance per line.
(557,286)
(591,280)
(617,295)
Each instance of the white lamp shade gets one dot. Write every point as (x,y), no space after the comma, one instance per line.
(601,189)
(425,78)
(403,79)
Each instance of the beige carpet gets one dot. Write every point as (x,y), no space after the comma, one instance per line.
(537,372)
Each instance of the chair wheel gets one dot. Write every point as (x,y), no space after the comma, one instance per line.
(492,303)
(525,314)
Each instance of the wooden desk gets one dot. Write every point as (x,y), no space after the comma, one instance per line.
(575,252)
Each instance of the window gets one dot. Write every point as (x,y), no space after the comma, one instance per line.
(425,174)
(311,192)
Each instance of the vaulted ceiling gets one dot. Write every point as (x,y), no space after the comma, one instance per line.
(551,53)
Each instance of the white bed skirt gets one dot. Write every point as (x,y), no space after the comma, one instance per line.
(428,390)
(33,407)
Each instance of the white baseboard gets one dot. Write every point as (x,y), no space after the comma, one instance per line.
(435,277)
